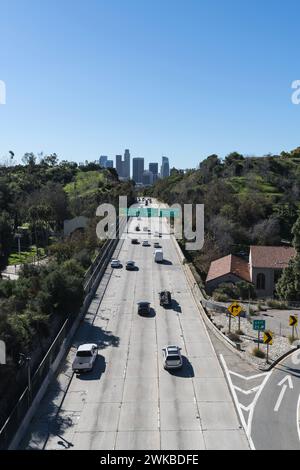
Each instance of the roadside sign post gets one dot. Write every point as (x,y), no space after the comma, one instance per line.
(268,340)
(293,322)
(234,310)
(259,325)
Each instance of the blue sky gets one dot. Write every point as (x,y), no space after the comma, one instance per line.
(181,78)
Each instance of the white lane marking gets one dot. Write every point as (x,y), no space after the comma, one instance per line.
(237,404)
(246,392)
(256,399)
(248,377)
(246,408)
(298,417)
(281,395)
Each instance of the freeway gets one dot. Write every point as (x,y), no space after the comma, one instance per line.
(129,401)
(275,420)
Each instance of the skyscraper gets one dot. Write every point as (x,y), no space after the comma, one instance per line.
(137,169)
(165,168)
(153,167)
(119,165)
(123,167)
(103,161)
(126,164)
(109,164)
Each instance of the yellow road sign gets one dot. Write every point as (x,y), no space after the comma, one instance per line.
(293,320)
(235,309)
(268,337)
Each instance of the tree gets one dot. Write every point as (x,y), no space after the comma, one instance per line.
(288,285)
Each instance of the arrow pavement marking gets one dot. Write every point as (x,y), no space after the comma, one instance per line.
(283,390)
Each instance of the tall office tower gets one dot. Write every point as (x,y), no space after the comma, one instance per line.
(119,165)
(137,169)
(126,164)
(103,161)
(109,164)
(153,167)
(165,168)
(147,178)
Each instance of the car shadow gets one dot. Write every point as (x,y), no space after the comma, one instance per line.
(175,306)
(186,371)
(166,262)
(151,314)
(96,372)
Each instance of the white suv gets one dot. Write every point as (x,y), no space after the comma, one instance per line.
(172,358)
(85,357)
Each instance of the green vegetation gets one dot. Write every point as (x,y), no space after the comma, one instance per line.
(258,353)
(35,199)
(26,256)
(228,291)
(248,200)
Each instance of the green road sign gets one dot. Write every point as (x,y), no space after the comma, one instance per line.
(259,325)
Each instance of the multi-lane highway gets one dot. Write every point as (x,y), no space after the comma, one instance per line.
(129,401)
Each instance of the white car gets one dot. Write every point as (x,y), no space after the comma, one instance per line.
(115,263)
(145,229)
(172,358)
(146,243)
(85,357)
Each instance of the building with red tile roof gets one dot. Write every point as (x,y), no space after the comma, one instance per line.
(263,269)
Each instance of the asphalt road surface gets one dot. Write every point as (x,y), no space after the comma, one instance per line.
(129,401)
(275,421)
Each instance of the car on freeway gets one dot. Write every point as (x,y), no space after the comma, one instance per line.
(146,243)
(156,245)
(134,241)
(115,263)
(130,266)
(172,358)
(85,358)
(158,256)
(137,228)
(144,308)
(165,298)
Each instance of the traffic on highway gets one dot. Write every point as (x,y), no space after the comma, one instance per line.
(142,372)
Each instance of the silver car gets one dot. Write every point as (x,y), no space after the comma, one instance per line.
(85,357)
(172,358)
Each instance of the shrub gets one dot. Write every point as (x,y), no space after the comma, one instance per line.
(234,337)
(258,353)
(239,332)
(277,304)
(220,297)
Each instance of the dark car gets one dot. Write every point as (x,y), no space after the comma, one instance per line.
(144,308)
(130,266)
(135,241)
(165,298)
(137,228)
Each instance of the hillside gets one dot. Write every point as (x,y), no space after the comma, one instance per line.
(248,200)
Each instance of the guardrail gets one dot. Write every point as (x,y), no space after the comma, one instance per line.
(59,346)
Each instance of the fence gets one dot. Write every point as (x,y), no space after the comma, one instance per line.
(91,281)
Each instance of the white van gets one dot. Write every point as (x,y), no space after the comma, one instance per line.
(158,256)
